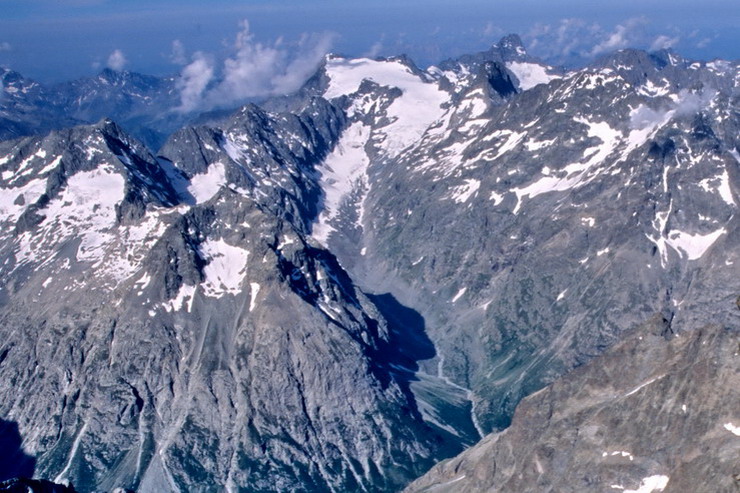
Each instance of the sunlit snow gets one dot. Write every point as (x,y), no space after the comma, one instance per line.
(254,291)
(735,430)
(419,105)
(205,185)
(344,171)
(226,268)
(651,484)
(463,192)
(530,74)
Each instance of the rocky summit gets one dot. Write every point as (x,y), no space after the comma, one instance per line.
(337,289)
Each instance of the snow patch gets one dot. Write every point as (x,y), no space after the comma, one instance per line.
(622,453)
(459,294)
(641,386)
(254,290)
(52,165)
(693,246)
(463,192)
(530,74)
(588,221)
(719,184)
(651,484)
(419,105)
(343,173)
(534,145)
(185,293)
(735,430)
(512,140)
(12,198)
(205,185)
(227,266)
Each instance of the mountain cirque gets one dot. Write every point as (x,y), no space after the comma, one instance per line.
(337,289)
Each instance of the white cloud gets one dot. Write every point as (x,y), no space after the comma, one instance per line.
(644,117)
(254,69)
(491,30)
(178,56)
(624,35)
(5,46)
(703,43)
(117,60)
(193,81)
(374,50)
(688,103)
(574,40)
(663,42)
(568,38)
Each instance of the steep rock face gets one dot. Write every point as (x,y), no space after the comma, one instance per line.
(654,413)
(25,107)
(530,228)
(165,329)
(181,322)
(147,106)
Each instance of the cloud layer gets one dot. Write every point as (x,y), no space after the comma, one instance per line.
(687,103)
(574,40)
(253,69)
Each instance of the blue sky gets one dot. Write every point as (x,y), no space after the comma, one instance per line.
(53,40)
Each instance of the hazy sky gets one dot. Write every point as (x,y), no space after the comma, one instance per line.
(53,40)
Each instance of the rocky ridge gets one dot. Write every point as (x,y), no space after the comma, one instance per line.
(657,412)
(282,300)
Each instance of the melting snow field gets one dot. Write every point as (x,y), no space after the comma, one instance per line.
(463,192)
(227,266)
(651,484)
(87,204)
(530,74)
(343,171)
(575,173)
(14,201)
(205,185)
(693,246)
(86,207)
(419,105)
(735,430)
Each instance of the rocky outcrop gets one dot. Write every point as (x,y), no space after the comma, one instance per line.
(657,412)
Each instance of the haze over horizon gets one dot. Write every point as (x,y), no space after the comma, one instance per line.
(56,41)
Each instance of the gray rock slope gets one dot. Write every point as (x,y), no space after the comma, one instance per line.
(654,413)
(164,328)
(25,107)
(147,106)
(337,289)
(530,215)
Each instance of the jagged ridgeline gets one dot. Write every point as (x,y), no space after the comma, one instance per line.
(337,289)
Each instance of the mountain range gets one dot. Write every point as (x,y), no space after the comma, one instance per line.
(337,289)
